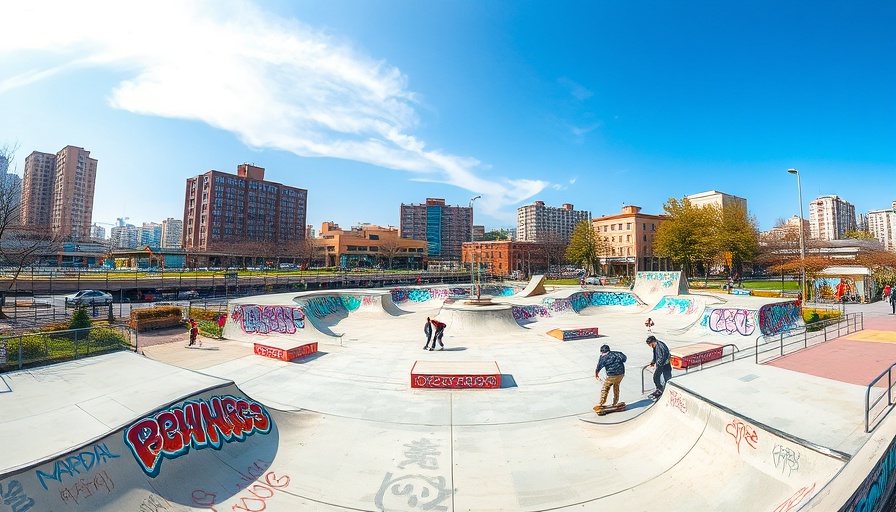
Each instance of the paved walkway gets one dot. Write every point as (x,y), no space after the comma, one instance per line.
(347,432)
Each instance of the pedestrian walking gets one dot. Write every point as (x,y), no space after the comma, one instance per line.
(613,364)
(427,330)
(194,332)
(440,331)
(222,319)
(649,324)
(887,292)
(662,365)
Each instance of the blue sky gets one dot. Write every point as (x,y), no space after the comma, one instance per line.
(370,104)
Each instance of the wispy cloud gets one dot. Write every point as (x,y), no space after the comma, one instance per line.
(578,91)
(274,82)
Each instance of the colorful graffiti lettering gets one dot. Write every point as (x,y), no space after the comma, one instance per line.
(14,496)
(676,306)
(877,486)
(786,459)
(730,321)
(171,433)
(780,317)
(657,281)
(254,319)
(76,464)
(528,312)
(740,431)
(87,488)
(463,381)
(677,401)
(285,354)
(323,306)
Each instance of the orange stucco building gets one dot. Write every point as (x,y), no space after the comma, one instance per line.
(507,258)
(630,238)
(367,246)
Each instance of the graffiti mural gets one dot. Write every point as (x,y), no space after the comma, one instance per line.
(321,307)
(580,333)
(75,466)
(872,493)
(780,317)
(529,312)
(676,306)
(455,381)
(254,319)
(197,424)
(729,321)
(13,496)
(409,488)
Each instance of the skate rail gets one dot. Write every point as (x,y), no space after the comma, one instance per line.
(886,393)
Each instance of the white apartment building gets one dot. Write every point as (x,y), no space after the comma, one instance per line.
(714,197)
(790,228)
(830,217)
(882,225)
(172,233)
(125,237)
(539,223)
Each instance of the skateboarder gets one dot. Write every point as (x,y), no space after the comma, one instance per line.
(662,365)
(613,363)
(649,324)
(427,330)
(440,330)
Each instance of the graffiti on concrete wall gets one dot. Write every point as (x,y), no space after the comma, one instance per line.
(786,459)
(529,312)
(13,495)
(879,485)
(254,319)
(76,466)
(197,424)
(740,431)
(657,282)
(730,321)
(580,334)
(320,307)
(416,482)
(676,306)
(779,317)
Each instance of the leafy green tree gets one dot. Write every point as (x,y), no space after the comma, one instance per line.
(499,234)
(687,237)
(737,238)
(80,318)
(585,247)
(858,235)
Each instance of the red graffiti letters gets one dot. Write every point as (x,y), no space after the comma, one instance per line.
(795,500)
(201,423)
(86,488)
(254,499)
(677,400)
(456,381)
(740,431)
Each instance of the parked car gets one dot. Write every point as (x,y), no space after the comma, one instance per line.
(187,295)
(88,298)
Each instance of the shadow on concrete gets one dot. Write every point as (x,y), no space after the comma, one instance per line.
(507,381)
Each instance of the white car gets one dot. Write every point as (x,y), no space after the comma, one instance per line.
(88,298)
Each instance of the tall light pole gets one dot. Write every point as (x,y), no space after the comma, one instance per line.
(799,188)
(472,253)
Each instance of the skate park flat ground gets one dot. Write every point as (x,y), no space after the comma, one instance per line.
(352,434)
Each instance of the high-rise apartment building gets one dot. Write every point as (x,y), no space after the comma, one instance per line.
(57,191)
(172,233)
(830,217)
(150,235)
(97,232)
(125,237)
(445,228)
(882,225)
(540,223)
(222,209)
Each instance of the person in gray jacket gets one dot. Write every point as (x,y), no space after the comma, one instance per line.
(662,365)
(613,363)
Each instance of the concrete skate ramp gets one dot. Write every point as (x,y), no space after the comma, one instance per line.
(463,320)
(750,320)
(535,287)
(652,286)
(434,296)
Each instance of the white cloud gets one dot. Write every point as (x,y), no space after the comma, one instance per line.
(274,82)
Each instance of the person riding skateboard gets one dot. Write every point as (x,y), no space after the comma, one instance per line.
(613,363)
(427,330)
(662,365)
(194,332)
(440,331)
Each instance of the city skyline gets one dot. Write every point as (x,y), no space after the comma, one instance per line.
(368,105)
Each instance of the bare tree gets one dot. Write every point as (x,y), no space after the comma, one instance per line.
(554,248)
(389,249)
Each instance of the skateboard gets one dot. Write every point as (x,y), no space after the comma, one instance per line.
(607,409)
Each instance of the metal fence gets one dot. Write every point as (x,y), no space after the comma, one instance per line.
(46,347)
(770,347)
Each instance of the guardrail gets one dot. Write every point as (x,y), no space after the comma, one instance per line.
(888,393)
(735,352)
(812,334)
(48,347)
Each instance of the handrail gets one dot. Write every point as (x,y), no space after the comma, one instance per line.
(868,405)
(852,321)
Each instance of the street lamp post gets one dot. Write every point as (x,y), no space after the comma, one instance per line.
(799,188)
(472,253)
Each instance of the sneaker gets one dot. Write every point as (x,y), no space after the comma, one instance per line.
(431,350)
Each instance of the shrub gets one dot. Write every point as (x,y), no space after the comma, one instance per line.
(205,314)
(33,347)
(80,318)
(157,317)
(103,337)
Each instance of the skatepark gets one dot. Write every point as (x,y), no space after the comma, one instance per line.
(327,401)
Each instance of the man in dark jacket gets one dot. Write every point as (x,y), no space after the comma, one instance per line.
(427,330)
(614,364)
(661,364)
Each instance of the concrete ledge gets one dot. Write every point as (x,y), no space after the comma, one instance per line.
(285,352)
(456,374)
(574,334)
(695,355)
